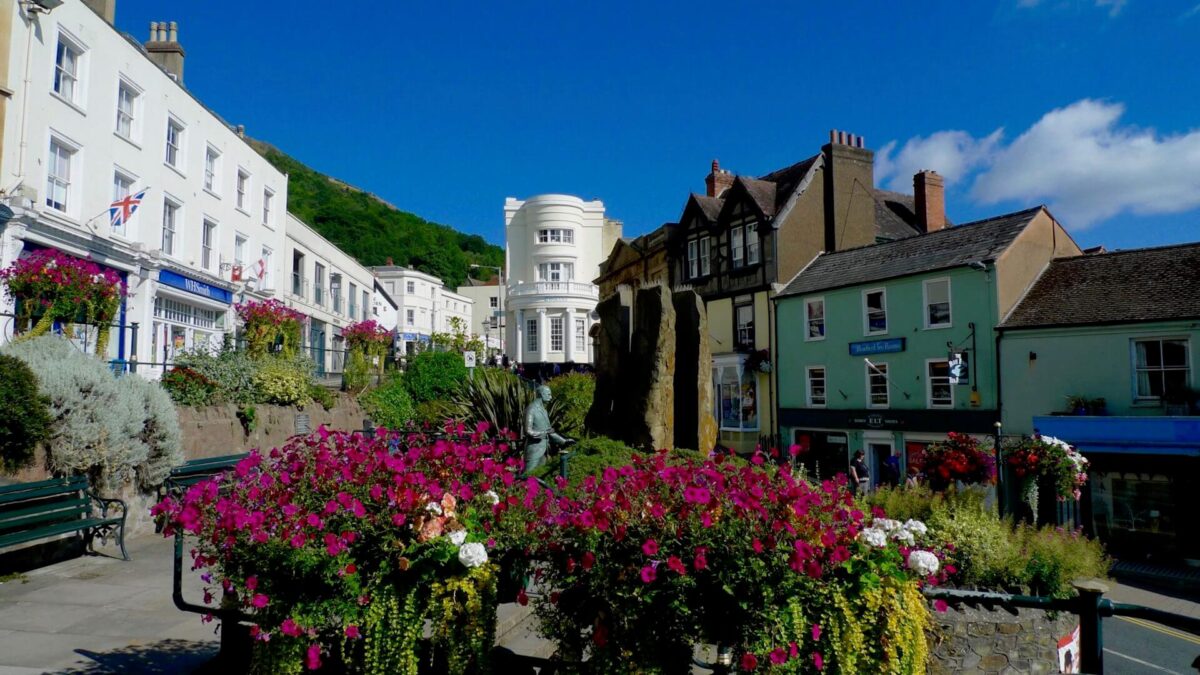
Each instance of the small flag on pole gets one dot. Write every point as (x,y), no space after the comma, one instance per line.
(122,210)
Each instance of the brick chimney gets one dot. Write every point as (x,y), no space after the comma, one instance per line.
(718,181)
(105,8)
(849,182)
(930,200)
(164,48)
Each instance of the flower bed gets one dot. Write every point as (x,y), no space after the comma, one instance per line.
(343,547)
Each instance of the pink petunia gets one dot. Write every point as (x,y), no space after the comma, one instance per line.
(818,661)
(352,632)
(816,632)
(650,547)
(260,600)
(649,574)
(313,657)
(940,605)
(778,656)
(749,662)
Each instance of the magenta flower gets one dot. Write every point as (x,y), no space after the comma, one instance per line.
(313,657)
(749,662)
(650,547)
(290,628)
(352,632)
(778,656)
(260,600)
(816,632)
(649,574)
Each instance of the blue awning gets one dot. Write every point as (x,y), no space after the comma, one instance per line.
(1140,435)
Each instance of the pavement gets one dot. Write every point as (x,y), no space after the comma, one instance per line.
(100,614)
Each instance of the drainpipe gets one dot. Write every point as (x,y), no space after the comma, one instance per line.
(24,141)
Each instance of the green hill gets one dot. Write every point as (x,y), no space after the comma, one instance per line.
(372,230)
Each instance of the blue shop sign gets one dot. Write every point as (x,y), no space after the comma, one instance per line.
(169,278)
(877,347)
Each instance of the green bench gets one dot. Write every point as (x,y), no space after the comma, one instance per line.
(194,471)
(32,511)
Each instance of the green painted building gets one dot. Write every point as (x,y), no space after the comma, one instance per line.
(886,348)
(1101,353)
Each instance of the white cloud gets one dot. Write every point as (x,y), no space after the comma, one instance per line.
(954,154)
(1079,159)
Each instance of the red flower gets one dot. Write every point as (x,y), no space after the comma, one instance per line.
(749,662)
(352,632)
(522,598)
(588,560)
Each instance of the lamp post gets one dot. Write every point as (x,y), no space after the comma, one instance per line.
(499,301)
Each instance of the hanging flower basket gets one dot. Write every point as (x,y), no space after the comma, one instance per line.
(958,458)
(759,361)
(270,322)
(56,287)
(1047,459)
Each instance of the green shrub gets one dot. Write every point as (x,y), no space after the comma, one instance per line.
(188,387)
(116,430)
(357,374)
(322,395)
(434,413)
(281,382)
(573,394)
(496,397)
(389,404)
(434,376)
(24,414)
(232,372)
(590,457)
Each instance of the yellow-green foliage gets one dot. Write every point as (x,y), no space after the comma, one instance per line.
(573,393)
(279,381)
(462,610)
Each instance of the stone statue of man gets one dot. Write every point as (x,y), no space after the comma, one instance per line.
(538,432)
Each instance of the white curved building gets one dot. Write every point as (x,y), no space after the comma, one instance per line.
(554,245)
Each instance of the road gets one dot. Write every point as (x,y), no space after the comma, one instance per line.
(1137,647)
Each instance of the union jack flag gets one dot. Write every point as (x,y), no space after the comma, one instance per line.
(123,209)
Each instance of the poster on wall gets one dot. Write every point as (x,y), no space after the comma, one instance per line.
(1068,652)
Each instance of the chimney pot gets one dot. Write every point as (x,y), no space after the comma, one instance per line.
(833,135)
(174,37)
(718,181)
(929,198)
(153,31)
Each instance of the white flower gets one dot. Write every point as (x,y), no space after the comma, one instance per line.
(472,555)
(904,537)
(492,496)
(434,507)
(874,537)
(457,537)
(916,527)
(886,524)
(923,563)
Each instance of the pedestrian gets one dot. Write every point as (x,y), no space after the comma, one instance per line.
(860,475)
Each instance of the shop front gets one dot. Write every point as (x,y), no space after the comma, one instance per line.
(737,400)
(189,315)
(828,439)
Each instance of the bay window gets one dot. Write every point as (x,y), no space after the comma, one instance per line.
(737,400)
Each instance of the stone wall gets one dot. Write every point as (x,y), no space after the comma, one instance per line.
(980,641)
(215,430)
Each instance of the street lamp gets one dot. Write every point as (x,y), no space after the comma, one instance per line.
(499,301)
(999,471)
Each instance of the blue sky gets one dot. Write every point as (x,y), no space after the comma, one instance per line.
(446,108)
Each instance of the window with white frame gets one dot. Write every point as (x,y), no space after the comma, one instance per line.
(744,318)
(736,247)
(67,59)
(211,158)
(170,223)
(531,335)
(122,188)
(1162,367)
(174,154)
(319,284)
(352,300)
(556,271)
(875,311)
(580,335)
(693,258)
(814,319)
(877,385)
(267,273)
(556,334)
(705,256)
(816,386)
(243,184)
(409,317)
(268,199)
(58,175)
(410,287)
(556,236)
(737,396)
(939,393)
(239,249)
(127,99)
(751,244)
(937,303)
(208,236)
(366,305)
(494,302)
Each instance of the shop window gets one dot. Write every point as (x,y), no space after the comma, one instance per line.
(737,398)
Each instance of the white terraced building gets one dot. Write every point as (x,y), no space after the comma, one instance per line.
(554,245)
(89,116)
(424,306)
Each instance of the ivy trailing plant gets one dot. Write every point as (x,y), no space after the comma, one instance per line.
(268,323)
(55,287)
(248,416)
(367,345)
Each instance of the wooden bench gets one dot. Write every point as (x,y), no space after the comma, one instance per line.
(194,471)
(32,511)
